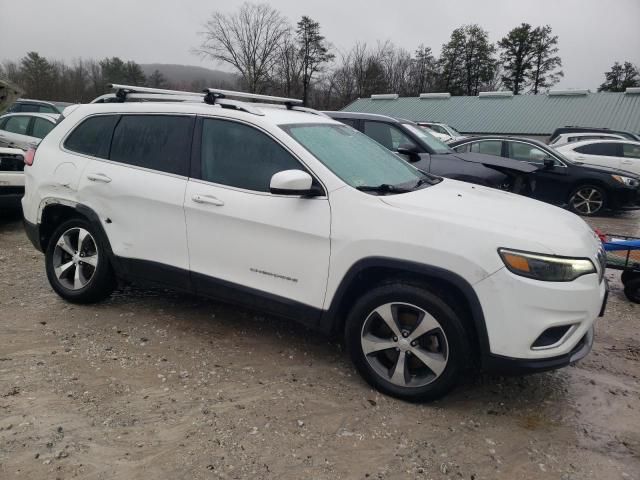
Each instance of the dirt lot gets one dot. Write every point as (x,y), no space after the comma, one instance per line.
(159,385)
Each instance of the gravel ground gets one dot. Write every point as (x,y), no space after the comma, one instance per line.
(160,385)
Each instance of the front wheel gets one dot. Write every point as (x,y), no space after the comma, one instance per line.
(587,200)
(632,289)
(77,263)
(406,342)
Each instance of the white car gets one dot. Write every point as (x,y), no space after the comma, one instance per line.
(290,212)
(565,138)
(443,129)
(11,177)
(621,154)
(440,136)
(25,130)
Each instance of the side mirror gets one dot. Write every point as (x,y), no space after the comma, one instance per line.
(410,152)
(293,182)
(549,163)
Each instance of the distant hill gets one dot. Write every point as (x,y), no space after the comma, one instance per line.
(188,76)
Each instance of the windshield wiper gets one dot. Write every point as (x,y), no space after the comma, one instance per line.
(383,188)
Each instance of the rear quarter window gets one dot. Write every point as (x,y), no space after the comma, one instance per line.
(93,136)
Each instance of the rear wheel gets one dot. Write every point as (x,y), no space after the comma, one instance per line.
(77,265)
(587,200)
(632,289)
(406,342)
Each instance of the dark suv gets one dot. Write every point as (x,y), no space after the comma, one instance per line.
(429,154)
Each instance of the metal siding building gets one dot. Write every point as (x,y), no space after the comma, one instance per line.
(527,115)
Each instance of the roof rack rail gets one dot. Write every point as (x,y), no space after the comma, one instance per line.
(212,95)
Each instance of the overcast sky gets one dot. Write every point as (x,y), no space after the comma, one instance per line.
(593,33)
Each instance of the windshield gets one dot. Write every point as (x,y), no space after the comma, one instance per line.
(355,158)
(432,142)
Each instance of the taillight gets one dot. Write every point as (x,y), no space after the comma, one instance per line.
(29,156)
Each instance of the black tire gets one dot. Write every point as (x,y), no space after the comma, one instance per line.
(632,289)
(455,341)
(590,208)
(627,275)
(102,280)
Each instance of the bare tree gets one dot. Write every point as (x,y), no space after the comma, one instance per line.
(247,39)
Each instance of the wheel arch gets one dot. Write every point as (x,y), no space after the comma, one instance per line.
(53,212)
(374,271)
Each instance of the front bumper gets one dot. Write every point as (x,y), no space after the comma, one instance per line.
(625,199)
(518,366)
(518,310)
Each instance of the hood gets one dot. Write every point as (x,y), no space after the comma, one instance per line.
(493,161)
(499,219)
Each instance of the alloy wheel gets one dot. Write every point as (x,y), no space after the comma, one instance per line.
(404,344)
(587,200)
(75,258)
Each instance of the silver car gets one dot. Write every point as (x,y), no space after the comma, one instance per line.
(25,130)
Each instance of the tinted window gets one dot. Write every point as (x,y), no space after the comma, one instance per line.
(158,142)
(17,124)
(527,153)
(631,150)
(387,135)
(240,156)
(46,109)
(347,121)
(607,149)
(41,127)
(489,147)
(93,136)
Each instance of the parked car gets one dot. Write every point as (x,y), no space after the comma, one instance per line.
(443,129)
(586,190)
(429,154)
(293,213)
(573,129)
(622,154)
(25,130)
(565,138)
(440,136)
(11,178)
(24,105)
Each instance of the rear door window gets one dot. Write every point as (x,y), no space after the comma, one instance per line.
(18,124)
(158,142)
(93,136)
(488,147)
(41,127)
(602,149)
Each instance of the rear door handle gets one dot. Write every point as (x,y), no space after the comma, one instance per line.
(98,177)
(579,157)
(207,199)
(627,162)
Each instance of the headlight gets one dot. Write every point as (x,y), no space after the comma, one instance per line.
(629,182)
(546,267)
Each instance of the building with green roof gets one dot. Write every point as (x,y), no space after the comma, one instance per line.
(508,114)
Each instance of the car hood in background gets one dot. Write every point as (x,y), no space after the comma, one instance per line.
(493,161)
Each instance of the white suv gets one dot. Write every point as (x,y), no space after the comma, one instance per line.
(290,212)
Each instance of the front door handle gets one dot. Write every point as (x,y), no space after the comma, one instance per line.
(98,177)
(207,199)
(579,157)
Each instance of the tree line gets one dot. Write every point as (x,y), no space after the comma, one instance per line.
(274,57)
